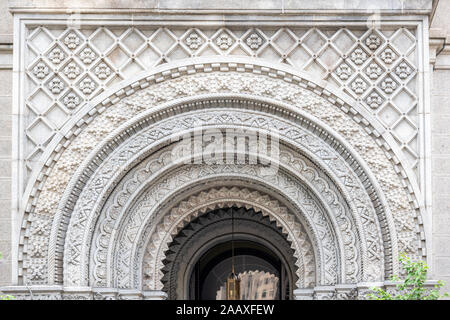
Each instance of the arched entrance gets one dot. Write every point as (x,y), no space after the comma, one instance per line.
(340,202)
(198,260)
(261,275)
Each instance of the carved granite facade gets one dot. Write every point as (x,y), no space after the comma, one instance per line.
(101,196)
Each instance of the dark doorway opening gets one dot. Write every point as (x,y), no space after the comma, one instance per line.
(198,260)
(262,273)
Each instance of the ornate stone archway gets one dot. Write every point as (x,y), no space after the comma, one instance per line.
(213,228)
(227,197)
(369,204)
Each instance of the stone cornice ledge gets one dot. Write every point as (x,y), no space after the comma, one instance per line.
(48,292)
(6,54)
(225,6)
(439,49)
(58,292)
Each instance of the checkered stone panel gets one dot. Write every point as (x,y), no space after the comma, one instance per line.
(67,67)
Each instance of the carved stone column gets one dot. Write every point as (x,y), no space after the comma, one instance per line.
(346,292)
(77,293)
(303,294)
(324,293)
(364,288)
(105,293)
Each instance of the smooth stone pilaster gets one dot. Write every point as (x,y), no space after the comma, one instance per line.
(130,294)
(303,294)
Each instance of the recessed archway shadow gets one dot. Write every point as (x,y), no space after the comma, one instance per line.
(198,260)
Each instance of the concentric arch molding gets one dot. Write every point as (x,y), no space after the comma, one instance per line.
(126,182)
(311,174)
(137,178)
(172,124)
(185,69)
(151,168)
(220,197)
(290,222)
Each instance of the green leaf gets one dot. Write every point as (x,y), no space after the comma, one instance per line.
(412,286)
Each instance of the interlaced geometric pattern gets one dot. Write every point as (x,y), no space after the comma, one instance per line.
(67,67)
